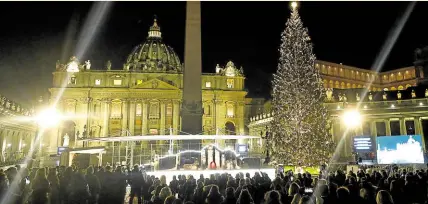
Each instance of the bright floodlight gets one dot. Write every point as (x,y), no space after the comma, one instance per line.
(294,5)
(352,118)
(48,118)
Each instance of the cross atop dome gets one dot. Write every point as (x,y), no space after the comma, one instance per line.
(154,31)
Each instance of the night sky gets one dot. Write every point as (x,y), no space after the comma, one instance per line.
(35,35)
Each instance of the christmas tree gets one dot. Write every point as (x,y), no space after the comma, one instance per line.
(300,126)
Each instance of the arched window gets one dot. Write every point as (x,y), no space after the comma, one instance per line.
(169,109)
(70,108)
(230,83)
(207,110)
(138,109)
(230,112)
(325,83)
(348,85)
(154,110)
(116,109)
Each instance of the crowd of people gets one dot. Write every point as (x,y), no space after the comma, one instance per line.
(108,185)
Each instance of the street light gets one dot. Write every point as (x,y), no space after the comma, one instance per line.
(352,118)
(48,118)
(45,119)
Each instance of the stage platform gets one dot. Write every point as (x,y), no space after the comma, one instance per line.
(196,173)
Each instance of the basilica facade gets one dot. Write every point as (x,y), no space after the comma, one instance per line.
(143,97)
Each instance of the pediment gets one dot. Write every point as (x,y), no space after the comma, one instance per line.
(155,84)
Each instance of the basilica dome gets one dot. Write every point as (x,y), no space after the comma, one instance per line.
(153,55)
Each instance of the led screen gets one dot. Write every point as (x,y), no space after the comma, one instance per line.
(363,144)
(242,148)
(399,149)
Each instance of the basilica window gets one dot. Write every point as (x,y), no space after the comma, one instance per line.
(230,83)
(97,82)
(154,110)
(117,82)
(72,80)
(70,108)
(230,110)
(207,110)
(208,84)
(138,109)
(116,110)
(169,110)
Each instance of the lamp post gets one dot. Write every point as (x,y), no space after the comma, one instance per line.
(45,120)
(352,120)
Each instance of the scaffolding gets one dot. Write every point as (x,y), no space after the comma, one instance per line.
(130,142)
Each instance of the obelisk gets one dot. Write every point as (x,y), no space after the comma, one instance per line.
(191,110)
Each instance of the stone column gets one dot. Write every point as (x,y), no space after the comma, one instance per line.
(358,130)
(241,118)
(403,130)
(106,117)
(83,111)
(144,116)
(162,117)
(218,115)
(20,142)
(373,130)
(388,127)
(124,117)
(418,125)
(3,142)
(32,137)
(333,129)
(176,116)
(131,122)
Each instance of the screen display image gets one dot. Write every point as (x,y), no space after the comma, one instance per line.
(400,149)
(242,148)
(363,144)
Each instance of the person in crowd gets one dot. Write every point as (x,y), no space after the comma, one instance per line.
(383,197)
(273,197)
(78,189)
(94,185)
(165,193)
(174,185)
(293,193)
(64,183)
(170,200)
(245,197)
(119,187)
(198,195)
(214,196)
(54,184)
(40,187)
(230,196)
(4,184)
(136,181)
